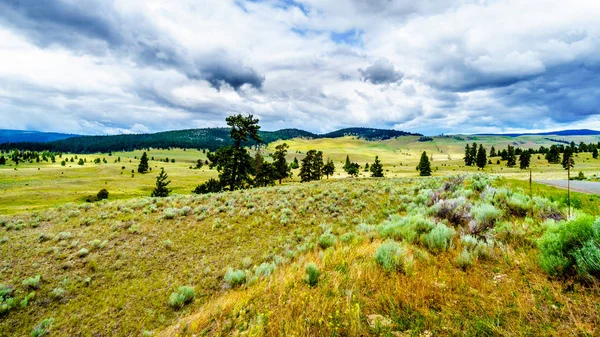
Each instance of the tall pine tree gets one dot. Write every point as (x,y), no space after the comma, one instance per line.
(234,163)
(524,160)
(481,157)
(329,168)
(282,169)
(568,158)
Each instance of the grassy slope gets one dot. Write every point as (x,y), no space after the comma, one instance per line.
(31,189)
(123,287)
(133,275)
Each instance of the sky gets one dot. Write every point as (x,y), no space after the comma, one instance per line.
(428,66)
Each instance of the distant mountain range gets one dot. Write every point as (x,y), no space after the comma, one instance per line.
(581,132)
(18,136)
(210,139)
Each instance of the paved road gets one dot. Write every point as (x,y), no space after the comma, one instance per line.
(590,187)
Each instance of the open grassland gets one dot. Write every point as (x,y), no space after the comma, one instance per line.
(35,186)
(443,256)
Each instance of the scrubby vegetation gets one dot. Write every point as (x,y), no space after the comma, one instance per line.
(463,255)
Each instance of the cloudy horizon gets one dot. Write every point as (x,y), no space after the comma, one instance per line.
(433,66)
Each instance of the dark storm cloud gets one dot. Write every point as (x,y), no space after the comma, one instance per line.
(82,25)
(381,72)
(567,93)
(65,23)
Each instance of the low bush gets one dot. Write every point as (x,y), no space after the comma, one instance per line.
(408,228)
(485,216)
(571,248)
(546,209)
(454,210)
(391,256)
(32,282)
(102,194)
(327,240)
(43,328)
(519,204)
(7,301)
(439,239)
(83,252)
(235,278)
(170,213)
(181,297)
(312,274)
(210,186)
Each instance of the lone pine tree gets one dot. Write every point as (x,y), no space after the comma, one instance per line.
(424,166)
(143,166)
(161,189)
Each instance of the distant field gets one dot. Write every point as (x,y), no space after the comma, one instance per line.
(39,185)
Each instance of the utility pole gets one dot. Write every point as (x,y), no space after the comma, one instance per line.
(569,185)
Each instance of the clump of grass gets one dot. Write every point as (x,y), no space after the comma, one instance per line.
(391,256)
(246,262)
(168,244)
(97,244)
(43,328)
(32,282)
(312,274)
(327,240)
(235,278)
(465,259)
(134,229)
(439,239)
(182,296)
(264,269)
(348,237)
(571,247)
(58,293)
(64,236)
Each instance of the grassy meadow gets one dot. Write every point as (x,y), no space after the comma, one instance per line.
(464,252)
(35,186)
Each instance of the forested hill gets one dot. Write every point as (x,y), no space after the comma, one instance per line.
(210,139)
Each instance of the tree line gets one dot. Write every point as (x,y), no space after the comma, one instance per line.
(477,155)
